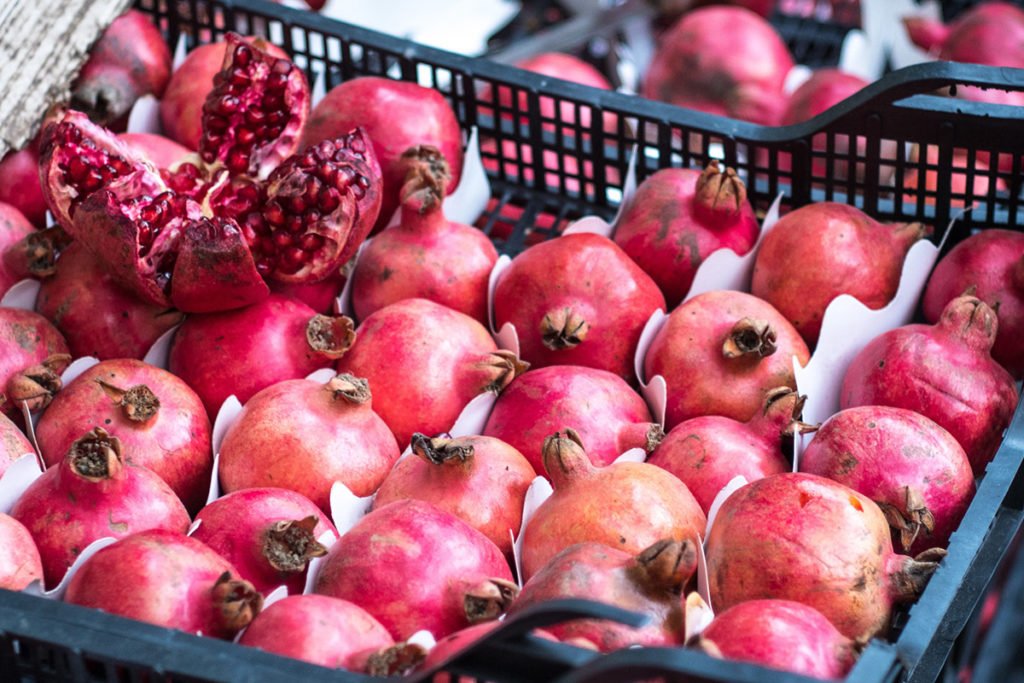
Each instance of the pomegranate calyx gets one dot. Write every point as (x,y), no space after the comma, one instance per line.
(35,255)
(36,385)
(439,451)
(654,436)
(910,518)
(909,579)
(503,367)
(426,178)
(349,388)
(138,403)
(397,660)
(783,405)
(720,191)
(971,320)
(665,566)
(238,601)
(96,456)
(289,545)
(489,600)
(563,329)
(751,338)
(331,336)
(564,458)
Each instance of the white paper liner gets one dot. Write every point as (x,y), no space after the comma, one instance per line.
(347,508)
(144,116)
(702,573)
(796,77)
(58,592)
(424,639)
(18,476)
(159,353)
(735,484)
(77,367)
(318,89)
(326,539)
(22,295)
(698,616)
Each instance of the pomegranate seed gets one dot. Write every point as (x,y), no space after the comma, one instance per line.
(108,172)
(307,161)
(327,172)
(282,67)
(227,105)
(245,136)
(92,181)
(329,200)
(277,118)
(120,165)
(326,149)
(273,104)
(292,260)
(312,189)
(240,78)
(208,156)
(255,223)
(359,191)
(283,240)
(243,55)
(296,204)
(77,169)
(238,160)
(264,268)
(276,82)
(255,116)
(311,242)
(311,216)
(274,215)
(295,224)
(215,124)
(267,245)
(145,236)
(356,144)
(150,213)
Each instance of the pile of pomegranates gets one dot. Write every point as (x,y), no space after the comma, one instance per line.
(382,468)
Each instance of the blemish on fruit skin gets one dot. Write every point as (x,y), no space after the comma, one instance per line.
(855,502)
(804,499)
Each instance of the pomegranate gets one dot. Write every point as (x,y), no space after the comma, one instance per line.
(426,362)
(15,259)
(97,317)
(13,443)
(707,452)
(962,164)
(822,250)
(466,579)
(168,579)
(293,339)
(19,184)
(162,152)
(720,352)
(131,59)
(992,262)
(33,353)
(944,372)
(780,634)
(802,537)
(479,479)
(650,582)
(426,255)
(268,534)
(395,116)
(577,300)
(678,217)
(320,296)
(330,632)
(722,60)
(158,419)
(607,415)
(304,436)
(90,494)
(625,505)
(20,564)
(912,468)
(568,68)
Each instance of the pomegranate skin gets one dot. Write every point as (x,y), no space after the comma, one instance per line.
(14,228)
(678,217)
(27,340)
(944,372)
(303,436)
(992,261)
(13,443)
(20,563)
(823,90)
(426,362)
(625,505)
(20,187)
(167,579)
(820,251)
(320,296)
(801,537)
(720,352)
(396,115)
(268,534)
(721,60)
(577,300)
(90,494)
(159,420)
(911,467)
(468,578)
(479,479)
(163,152)
(780,634)
(607,414)
(96,316)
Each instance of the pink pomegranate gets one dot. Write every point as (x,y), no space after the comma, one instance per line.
(944,372)
(396,116)
(20,564)
(722,60)
(626,505)
(607,414)
(479,479)
(293,340)
(820,251)
(162,152)
(992,262)
(13,443)
(707,452)
(780,634)
(678,217)
(425,255)
(720,352)
(168,579)
(19,184)
(97,317)
(330,632)
(268,534)
(33,353)
(15,261)
(649,582)
(577,300)
(468,578)
(912,468)
(304,436)
(426,362)
(91,494)
(802,537)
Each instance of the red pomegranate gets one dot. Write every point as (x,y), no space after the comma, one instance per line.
(33,353)
(426,362)
(268,534)
(158,419)
(293,341)
(720,352)
(13,443)
(320,296)
(162,152)
(468,578)
(20,564)
(396,116)
(167,579)
(802,537)
(90,494)
(19,184)
(607,414)
(992,262)
(304,436)
(15,256)
(626,505)
(944,372)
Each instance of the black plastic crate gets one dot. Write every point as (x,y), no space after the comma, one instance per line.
(534,195)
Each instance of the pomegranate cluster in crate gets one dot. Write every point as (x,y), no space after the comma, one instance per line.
(224,416)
